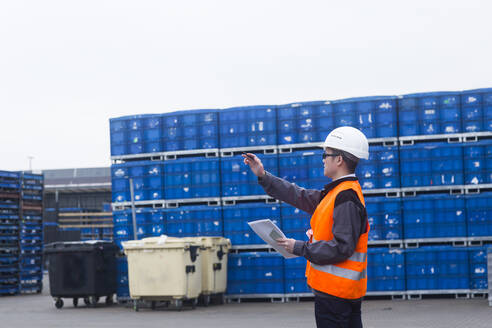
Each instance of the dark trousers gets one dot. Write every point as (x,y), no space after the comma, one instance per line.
(334,312)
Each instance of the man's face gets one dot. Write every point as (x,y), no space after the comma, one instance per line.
(330,163)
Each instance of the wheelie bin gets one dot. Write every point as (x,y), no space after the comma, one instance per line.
(84,270)
(214,252)
(164,269)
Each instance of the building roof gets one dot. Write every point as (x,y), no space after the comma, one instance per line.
(78,179)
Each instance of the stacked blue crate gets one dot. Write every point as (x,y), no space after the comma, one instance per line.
(295,276)
(150,223)
(477,158)
(122,288)
(479,214)
(478,267)
(381,171)
(374,116)
(237,179)
(295,222)
(127,135)
(255,273)
(192,177)
(385,270)
(194,220)
(304,122)
(236,219)
(477,110)
(385,218)
(31,234)
(437,268)
(186,130)
(429,113)
(431,164)
(147,178)
(9,232)
(248,126)
(434,216)
(304,168)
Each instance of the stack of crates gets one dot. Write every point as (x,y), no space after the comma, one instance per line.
(21,232)
(425,184)
(9,232)
(444,159)
(31,233)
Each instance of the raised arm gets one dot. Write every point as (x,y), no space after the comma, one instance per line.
(304,199)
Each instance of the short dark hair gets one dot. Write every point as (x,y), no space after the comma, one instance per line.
(350,160)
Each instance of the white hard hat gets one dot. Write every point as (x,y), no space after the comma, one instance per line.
(348,139)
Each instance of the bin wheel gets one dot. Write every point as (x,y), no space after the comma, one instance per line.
(206,300)
(86,301)
(152,305)
(93,301)
(59,303)
(221,298)
(178,304)
(109,300)
(75,302)
(135,305)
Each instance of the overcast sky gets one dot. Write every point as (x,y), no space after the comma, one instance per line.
(66,67)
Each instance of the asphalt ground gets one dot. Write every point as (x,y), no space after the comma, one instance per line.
(39,311)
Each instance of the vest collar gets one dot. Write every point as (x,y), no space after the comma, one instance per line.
(335,183)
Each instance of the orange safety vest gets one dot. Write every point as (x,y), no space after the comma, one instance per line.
(347,279)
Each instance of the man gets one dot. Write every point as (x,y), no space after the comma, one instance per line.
(337,247)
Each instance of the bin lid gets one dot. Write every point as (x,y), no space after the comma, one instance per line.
(159,242)
(80,246)
(210,242)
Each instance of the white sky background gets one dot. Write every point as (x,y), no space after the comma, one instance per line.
(66,67)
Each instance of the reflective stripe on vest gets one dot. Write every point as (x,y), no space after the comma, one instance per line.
(356,257)
(342,272)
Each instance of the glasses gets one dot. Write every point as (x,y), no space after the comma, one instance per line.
(325,155)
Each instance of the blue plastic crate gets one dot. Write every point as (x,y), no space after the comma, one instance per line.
(385,218)
(185,130)
(385,269)
(304,122)
(9,175)
(136,134)
(125,232)
(479,214)
(122,277)
(374,116)
(434,216)
(192,177)
(477,110)
(381,171)
(148,181)
(295,222)
(248,126)
(198,220)
(431,164)
(429,113)
(236,220)
(237,178)
(294,274)
(477,158)
(478,267)
(437,267)
(304,168)
(255,273)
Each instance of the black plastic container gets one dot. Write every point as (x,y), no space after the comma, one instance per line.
(82,270)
